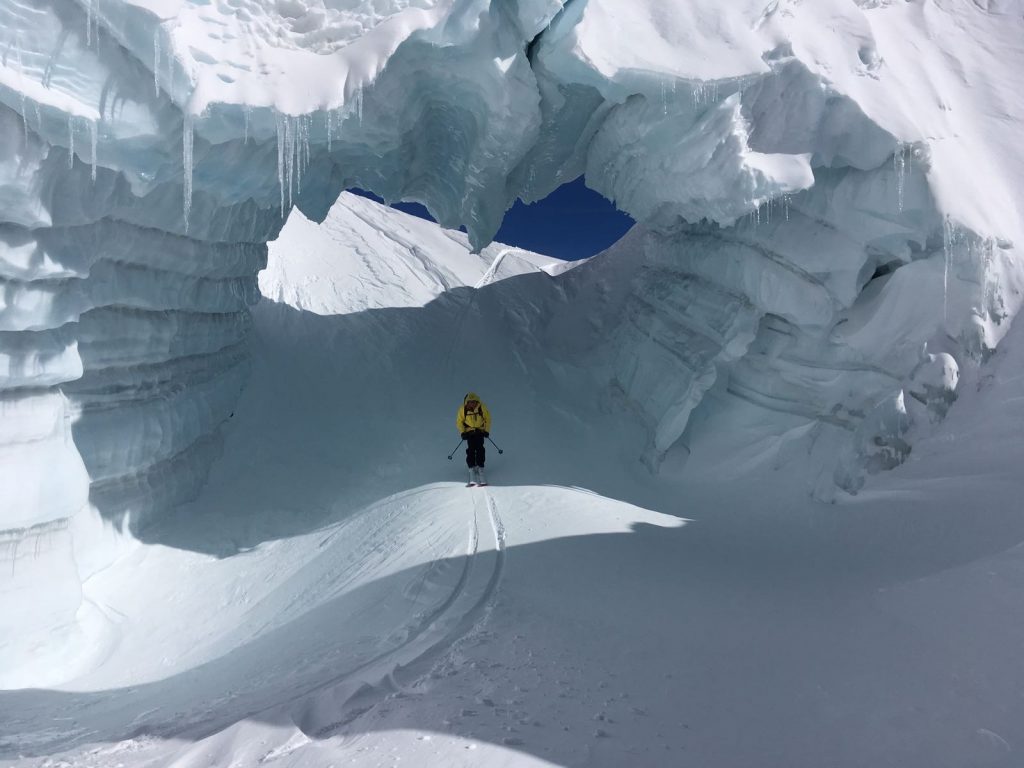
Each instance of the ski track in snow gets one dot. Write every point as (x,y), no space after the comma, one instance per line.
(408,664)
(324,710)
(428,272)
(490,274)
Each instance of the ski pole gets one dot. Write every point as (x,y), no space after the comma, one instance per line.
(457,448)
(494,444)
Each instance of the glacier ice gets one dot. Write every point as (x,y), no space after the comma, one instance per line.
(823,191)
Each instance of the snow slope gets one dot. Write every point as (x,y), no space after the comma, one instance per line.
(336,596)
(363,256)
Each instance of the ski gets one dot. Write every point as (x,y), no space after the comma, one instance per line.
(476,478)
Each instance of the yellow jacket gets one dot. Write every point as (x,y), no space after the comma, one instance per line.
(480,418)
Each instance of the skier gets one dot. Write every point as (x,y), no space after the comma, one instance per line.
(474,424)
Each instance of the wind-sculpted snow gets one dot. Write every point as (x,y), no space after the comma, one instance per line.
(815,231)
(827,196)
(844,314)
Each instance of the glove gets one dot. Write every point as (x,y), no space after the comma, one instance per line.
(466,435)
(485,433)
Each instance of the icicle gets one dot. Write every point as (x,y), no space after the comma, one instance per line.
(24,119)
(899,160)
(327,121)
(187,139)
(300,141)
(92,23)
(300,153)
(359,105)
(246,113)
(280,159)
(289,159)
(170,72)
(786,200)
(990,284)
(286,159)
(94,142)
(664,97)
(309,146)
(71,141)
(156,61)
(304,142)
(293,156)
(21,80)
(948,239)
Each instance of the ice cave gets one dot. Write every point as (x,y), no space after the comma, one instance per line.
(825,269)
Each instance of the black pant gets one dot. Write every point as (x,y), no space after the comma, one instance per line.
(475,453)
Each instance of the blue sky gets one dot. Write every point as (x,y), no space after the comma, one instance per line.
(573,222)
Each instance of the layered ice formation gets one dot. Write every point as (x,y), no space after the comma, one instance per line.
(816,228)
(828,196)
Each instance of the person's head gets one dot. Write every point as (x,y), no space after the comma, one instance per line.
(471,401)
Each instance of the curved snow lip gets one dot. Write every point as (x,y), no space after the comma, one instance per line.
(339,702)
(372,605)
